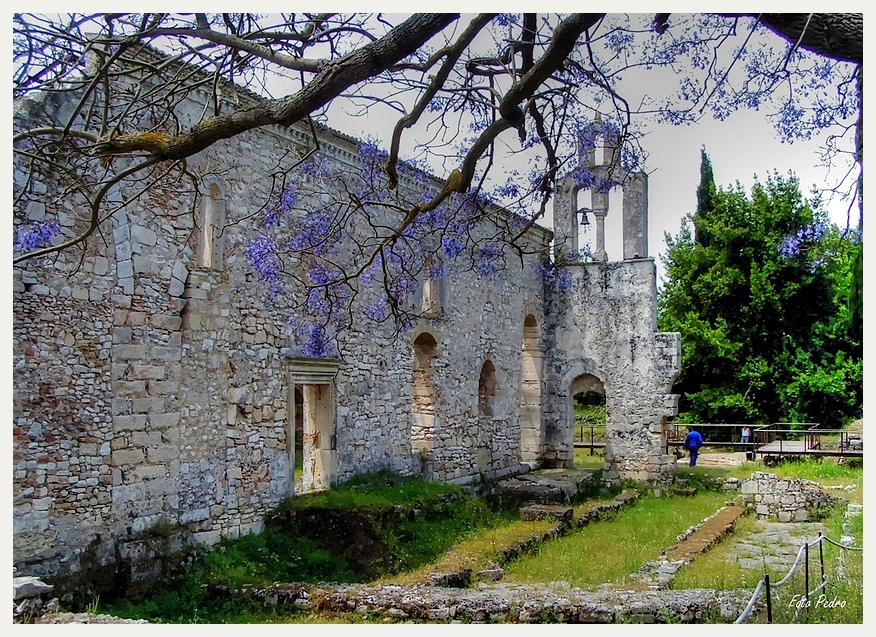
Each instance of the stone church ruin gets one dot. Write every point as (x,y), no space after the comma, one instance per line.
(154,386)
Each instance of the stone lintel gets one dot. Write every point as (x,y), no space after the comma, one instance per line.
(312,371)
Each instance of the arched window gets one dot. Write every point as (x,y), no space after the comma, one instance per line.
(531,435)
(425,349)
(211,248)
(425,393)
(487,388)
(432,278)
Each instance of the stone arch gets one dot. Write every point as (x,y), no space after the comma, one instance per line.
(211,248)
(529,414)
(488,387)
(424,394)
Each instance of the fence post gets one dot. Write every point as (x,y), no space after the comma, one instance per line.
(821,555)
(766,582)
(591,440)
(806,571)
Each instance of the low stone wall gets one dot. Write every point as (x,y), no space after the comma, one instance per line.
(503,603)
(792,500)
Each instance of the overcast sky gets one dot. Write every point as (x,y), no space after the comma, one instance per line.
(740,147)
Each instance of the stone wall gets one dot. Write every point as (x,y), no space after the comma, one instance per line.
(791,500)
(151,389)
(153,377)
(604,336)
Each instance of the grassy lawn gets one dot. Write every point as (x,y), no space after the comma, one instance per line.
(825,472)
(471,536)
(718,569)
(610,550)
(584,459)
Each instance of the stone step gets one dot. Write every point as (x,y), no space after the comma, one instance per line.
(536,512)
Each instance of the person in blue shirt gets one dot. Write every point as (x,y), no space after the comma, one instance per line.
(692,443)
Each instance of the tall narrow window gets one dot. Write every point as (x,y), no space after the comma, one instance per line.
(531,434)
(432,273)
(424,394)
(212,225)
(487,388)
(425,348)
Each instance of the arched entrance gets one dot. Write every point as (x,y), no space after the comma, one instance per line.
(587,412)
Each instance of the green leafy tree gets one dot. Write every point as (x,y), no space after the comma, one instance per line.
(759,291)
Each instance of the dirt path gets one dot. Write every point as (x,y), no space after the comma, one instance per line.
(708,533)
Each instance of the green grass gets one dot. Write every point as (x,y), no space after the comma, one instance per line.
(379,489)
(585,460)
(713,570)
(295,546)
(477,550)
(825,471)
(468,534)
(610,550)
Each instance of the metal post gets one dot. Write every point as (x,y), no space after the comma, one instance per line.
(821,554)
(806,571)
(591,440)
(766,582)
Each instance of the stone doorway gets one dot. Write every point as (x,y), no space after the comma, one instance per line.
(586,397)
(312,408)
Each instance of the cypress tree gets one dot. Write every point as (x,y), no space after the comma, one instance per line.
(705,196)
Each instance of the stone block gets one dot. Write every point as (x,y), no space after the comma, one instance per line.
(176,287)
(208,538)
(123,251)
(195,515)
(35,210)
(239,395)
(149,472)
(122,336)
(125,269)
(131,422)
(128,456)
(146,438)
(28,587)
(99,265)
(162,453)
(130,388)
(536,512)
(170,322)
(161,353)
(164,421)
(140,234)
(127,352)
(179,271)
(128,494)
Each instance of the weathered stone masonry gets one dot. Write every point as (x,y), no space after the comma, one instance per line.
(153,385)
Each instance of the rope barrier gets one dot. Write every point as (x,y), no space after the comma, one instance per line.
(746,613)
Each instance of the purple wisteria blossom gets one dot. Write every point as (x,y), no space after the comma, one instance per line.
(317,344)
(380,311)
(261,254)
(803,240)
(555,277)
(37,235)
(487,259)
(317,234)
